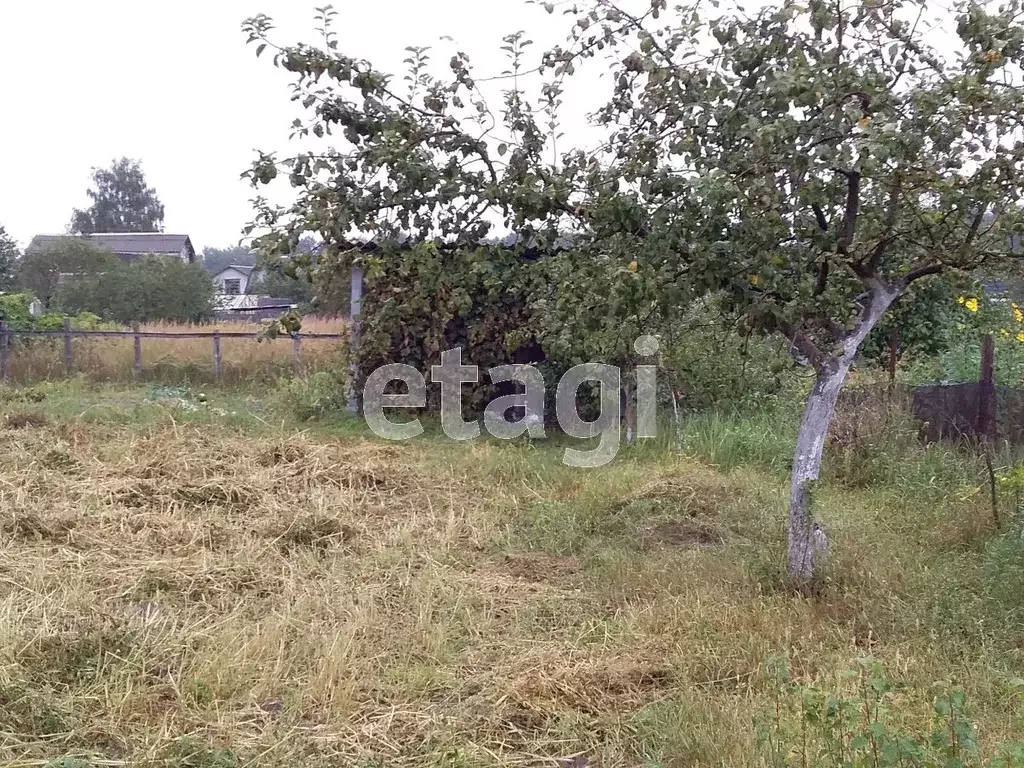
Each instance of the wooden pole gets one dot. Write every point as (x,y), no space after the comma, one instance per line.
(894,354)
(986,426)
(216,355)
(5,350)
(355,308)
(297,350)
(67,346)
(137,343)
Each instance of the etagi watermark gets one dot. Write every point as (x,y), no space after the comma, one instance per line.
(451,374)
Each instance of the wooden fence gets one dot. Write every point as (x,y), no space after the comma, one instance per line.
(68,333)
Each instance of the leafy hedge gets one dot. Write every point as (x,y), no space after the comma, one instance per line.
(433,299)
(16,312)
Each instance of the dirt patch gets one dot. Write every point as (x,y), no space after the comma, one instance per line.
(679,535)
(540,566)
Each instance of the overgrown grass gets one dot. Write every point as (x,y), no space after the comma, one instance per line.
(243,361)
(221,585)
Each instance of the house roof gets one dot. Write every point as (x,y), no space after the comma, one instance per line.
(131,243)
(245,270)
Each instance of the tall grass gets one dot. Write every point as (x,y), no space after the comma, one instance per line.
(184,360)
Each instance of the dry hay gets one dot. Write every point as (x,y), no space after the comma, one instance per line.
(175,567)
(679,534)
(555,681)
(540,566)
(23,419)
(696,489)
(304,601)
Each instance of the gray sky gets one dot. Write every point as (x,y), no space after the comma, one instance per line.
(175,86)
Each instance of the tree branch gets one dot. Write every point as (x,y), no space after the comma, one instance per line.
(819,216)
(850,214)
(891,215)
(923,270)
(803,344)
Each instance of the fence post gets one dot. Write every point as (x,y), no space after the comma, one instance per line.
(216,355)
(355,308)
(67,346)
(137,343)
(894,354)
(986,426)
(297,350)
(5,350)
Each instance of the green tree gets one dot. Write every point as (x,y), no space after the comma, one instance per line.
(807,164)
(272,282)
(42,269)
(153,288)
(921,324)
(121,202)
(9,255)
(280,276)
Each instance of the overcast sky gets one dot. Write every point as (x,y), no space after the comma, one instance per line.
(174,86)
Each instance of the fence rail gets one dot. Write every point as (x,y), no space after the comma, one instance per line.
(68,334)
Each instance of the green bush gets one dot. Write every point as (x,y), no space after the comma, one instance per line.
(860,725)
(153,288)
(15,310)
(716,365)
(311,397)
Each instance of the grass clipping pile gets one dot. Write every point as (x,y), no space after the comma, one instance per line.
(198,583)
(198,596)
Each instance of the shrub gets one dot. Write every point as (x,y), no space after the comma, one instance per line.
(153,288)
(311,397)
(712,363)
(860,726)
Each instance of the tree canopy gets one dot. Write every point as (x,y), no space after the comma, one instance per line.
(40,269)
(121,202)
(9,255)
(806,164)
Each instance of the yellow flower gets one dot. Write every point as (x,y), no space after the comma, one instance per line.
(971,304)
(632,266)
(755,279)
(1020,336)
(1018,315)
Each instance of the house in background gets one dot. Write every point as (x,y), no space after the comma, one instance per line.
(235,279)
(236,301)
(131,246)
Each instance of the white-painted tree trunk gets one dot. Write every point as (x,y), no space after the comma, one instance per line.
(807,540)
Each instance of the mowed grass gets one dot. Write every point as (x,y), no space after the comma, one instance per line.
(203,590)
(243,360)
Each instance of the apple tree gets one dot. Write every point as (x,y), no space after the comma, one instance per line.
(806,163)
